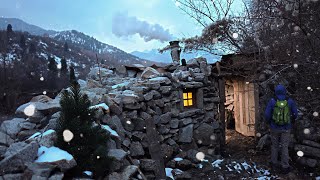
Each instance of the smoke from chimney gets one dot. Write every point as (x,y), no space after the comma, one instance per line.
(125,26)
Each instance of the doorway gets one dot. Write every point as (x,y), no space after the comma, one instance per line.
(241,106)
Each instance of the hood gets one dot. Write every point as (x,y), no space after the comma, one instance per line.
(280,92)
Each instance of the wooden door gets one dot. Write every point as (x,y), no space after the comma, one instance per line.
(245,98)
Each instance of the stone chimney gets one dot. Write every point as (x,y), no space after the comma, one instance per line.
(175,51)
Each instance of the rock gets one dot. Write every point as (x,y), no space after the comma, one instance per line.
(116,122)
(311,143)
(16,162)
(118,154)
(163,129)
(57,176)
(167,151)
(3,150)
(12,127)
(204,134)
(52,123)
(165,89)
(24,134)
(191,155)
(193,63)
(27,125)
(160,80)
(39,108)
(174,123)
(264,142)
(139,124)
(165,118)
(185,122)
(184,164)
(18,176)
(128,172)
(126,142)
(191,113)
(307,162)
(114,176)
(138,136)
(148,164)
(97,72)
(149,72)
(153,94)
(136,149)
(145,116)
(40,169)
(14,148)
(192,84)
(5,139)
(183,175)
(186,133)
(56,115)
(307,150)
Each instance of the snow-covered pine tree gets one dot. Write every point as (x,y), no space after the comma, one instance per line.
(89,143)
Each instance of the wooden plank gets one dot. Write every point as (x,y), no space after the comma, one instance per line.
(256,107)
(241,106)
(252,109)
(246,110)
(236,105)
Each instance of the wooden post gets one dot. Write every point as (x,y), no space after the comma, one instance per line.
(222,108)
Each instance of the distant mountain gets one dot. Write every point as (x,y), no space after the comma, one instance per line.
(19,25)
(78,41)
(165,57)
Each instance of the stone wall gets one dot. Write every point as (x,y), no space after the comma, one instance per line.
(181,132)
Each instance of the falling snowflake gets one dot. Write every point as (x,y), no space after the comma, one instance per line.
(295,66)
(315,114)
(98,157)
(128,122)
(300,153)
(258,134)
(235,35)
(41,78)
(247,82)
(200,156)
(29,110)
(59,66)
(309,88)
(81,135)
(67,135)
(44,92)
(213,137)
(306,131)
(199,142)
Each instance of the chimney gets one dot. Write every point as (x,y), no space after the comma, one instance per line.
(175,51)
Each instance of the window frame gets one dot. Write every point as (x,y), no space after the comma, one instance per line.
(193,98)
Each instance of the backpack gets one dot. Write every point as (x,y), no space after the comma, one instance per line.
(281,113)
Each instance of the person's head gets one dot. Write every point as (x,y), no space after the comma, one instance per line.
(280,92)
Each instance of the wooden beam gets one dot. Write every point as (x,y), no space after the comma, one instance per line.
(222,109)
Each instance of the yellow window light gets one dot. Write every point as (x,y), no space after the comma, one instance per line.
(187,99)
(189,95)
(185,95)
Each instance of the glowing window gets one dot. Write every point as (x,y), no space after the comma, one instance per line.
(187,99)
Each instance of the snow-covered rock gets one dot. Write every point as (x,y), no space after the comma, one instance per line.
(46,139)
(56,156)
(149,72)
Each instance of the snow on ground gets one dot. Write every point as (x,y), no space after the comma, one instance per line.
(120,85)
(52,154)
(113,132)
(169,173)
(217,163)
(89,173)
(318,178)
(102,105)
(177,159)
(43,134)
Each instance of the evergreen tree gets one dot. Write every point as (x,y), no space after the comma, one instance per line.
(66,47)
(52,66)
(72,75)
(88,145)
(32,48)
(22,42)
(9,28)
(64,67)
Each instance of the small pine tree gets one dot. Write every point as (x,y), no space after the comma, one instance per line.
(64,67)
(52,66)
(22,42)
(66,47)
(9,28)
(88,145)
(32,48)
(72,75)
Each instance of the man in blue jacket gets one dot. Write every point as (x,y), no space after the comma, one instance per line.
(280,132)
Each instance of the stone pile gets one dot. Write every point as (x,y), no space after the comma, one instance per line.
(132,103)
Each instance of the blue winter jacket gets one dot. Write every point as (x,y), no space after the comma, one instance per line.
(280,92)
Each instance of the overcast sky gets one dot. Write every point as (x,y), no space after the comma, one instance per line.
(127,24)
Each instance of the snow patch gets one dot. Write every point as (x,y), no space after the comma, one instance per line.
(102,106)
(217,163)
(177,159)
(169,173)
(89,173)
(43,134)
(52,154)
(113,132)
